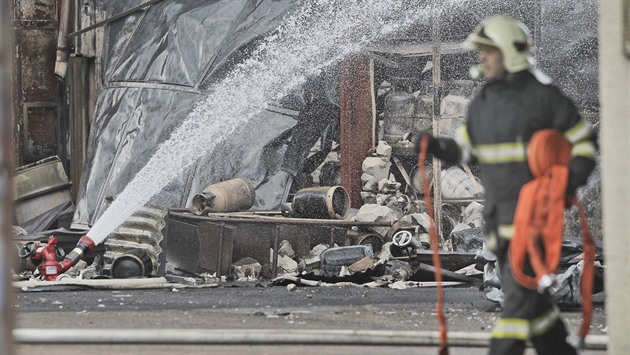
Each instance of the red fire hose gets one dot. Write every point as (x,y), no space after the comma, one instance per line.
(434,245)
(539,220)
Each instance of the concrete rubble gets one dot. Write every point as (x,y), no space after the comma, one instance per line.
(457,184)
(376,213)
(246,269)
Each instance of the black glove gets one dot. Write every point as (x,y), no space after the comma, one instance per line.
(445,149)
(432,143)
(579,170)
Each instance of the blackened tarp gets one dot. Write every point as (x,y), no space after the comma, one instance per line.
(157,63)
(155,66)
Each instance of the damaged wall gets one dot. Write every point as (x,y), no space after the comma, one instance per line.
(36,103)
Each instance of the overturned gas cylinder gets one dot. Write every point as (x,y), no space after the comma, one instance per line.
(135,263)
(327,202)
(227,196)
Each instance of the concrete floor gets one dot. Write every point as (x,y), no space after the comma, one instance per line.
(268,308)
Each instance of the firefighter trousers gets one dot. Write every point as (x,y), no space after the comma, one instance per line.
(527,315)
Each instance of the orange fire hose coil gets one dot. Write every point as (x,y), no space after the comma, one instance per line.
(539,218)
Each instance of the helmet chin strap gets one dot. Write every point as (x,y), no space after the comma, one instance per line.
(504,75)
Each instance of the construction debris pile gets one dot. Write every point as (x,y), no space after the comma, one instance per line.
(315,240)
(290,164)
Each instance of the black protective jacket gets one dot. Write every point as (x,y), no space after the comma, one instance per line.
(500,121)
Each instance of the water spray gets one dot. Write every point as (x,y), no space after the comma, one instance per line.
(281,63)
(46,257)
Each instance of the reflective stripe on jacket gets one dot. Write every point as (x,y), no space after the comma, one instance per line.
(500,121)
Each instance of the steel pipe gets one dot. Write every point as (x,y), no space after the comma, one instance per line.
(61,61)
(261,336)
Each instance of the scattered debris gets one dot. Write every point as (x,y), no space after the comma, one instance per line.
(311,263)
(77,269)
(333,259)
(495,295)
(468,240)
(362,265)
(376,167)
(94,270)
(246,269)
(275,314)
(567,289)
(398,270)
(457,184)
(383,149)
(376,213)
(42,197)
(286,249)
(286,265)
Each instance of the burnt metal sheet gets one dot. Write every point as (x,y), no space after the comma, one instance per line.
(211,244)
(426,272)
(37,53)
(37,10)
(81,86)
(450,260)
(42,194)
(35,35)
(40,127)
(133,116)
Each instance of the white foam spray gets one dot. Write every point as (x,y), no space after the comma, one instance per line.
(318,34)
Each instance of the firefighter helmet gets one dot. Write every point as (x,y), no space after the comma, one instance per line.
(511,37)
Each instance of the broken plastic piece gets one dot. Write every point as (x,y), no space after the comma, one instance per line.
(333,259)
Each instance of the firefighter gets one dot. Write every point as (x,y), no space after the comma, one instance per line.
(515,102)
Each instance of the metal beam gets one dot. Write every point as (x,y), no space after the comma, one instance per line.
(355,124)
(114,18)
(261,336)
(437,98)
(6,130)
